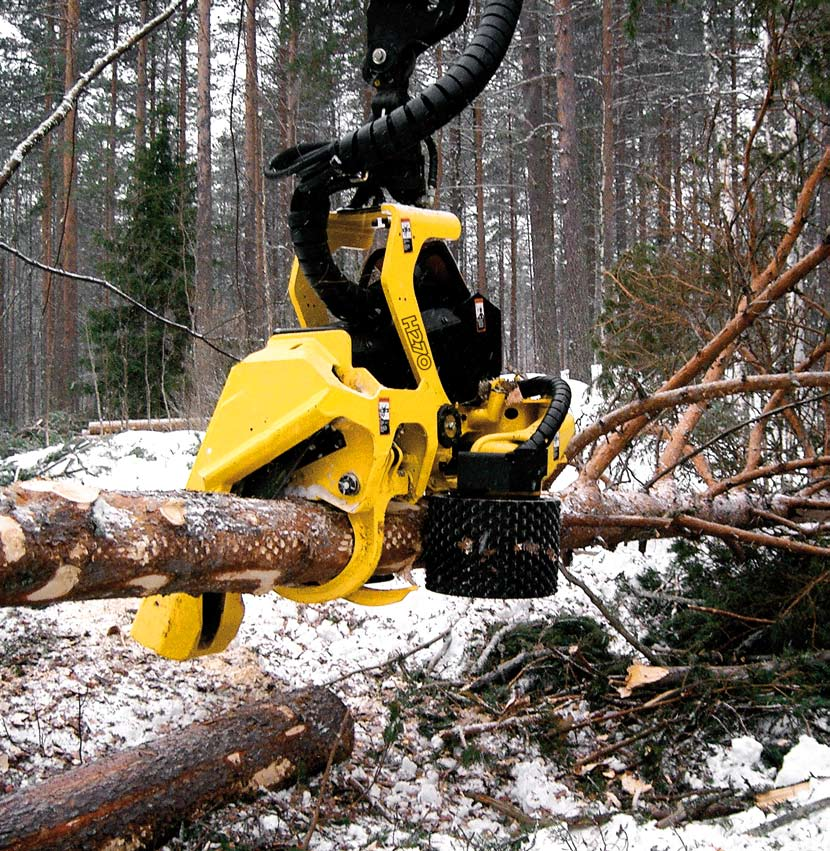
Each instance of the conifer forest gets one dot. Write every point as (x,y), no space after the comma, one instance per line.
(629,170)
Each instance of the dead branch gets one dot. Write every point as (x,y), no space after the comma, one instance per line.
(689,676)
(137,798)
(70,99)
(798,813)
(610,617)
(663,400)
(750,475)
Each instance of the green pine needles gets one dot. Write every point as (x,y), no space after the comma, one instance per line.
(139,362)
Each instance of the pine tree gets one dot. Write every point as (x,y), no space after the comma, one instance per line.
(140,362)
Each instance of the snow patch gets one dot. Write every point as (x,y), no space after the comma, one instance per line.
(807,759)
(739,766)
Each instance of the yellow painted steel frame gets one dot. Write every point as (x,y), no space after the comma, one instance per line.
(304,381)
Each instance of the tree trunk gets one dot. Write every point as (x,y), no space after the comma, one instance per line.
(202,308)
(540,186)
(139,797)
(609,219)
(574,292)
(69,301)
(254,238)
(62,541)
(481,236)
(112,130)
(141,83)
(47,281)
(182,102)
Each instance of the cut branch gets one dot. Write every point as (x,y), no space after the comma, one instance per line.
(139,797)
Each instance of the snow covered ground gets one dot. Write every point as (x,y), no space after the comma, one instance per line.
(74,686)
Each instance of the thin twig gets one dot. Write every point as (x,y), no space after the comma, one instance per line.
(100,282)
(720,436)
(70,99)
(324,783)
(607,750)
(611,617)
(394,659)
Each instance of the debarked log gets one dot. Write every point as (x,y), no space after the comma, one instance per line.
(138,797)
(65,541)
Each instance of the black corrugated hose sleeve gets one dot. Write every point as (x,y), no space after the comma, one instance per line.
(308,220)
(443,100)
(325,168)
(560,393)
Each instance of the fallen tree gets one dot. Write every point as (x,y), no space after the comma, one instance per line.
(138,797)
(768,346)
(60,541)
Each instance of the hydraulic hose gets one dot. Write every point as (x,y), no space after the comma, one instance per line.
(560,393)
(326,168)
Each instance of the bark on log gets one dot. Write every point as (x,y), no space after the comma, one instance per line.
(138,797)
(63,541)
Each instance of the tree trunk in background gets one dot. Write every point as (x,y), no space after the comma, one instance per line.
(478,157)
(664,139)
(734,174)
(679,203)
(481,236)
(112,128)
(253,265)
(182,103)
(68,332)
(513,360)
(203,301)
(537,119)
(48,290)
(622,128)
(609,219)
(141,83)
(574,289)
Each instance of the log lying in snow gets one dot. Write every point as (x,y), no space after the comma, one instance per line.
(63,541)
(688,676)
(138,797)
(116,426)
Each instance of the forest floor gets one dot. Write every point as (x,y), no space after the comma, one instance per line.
(448,756)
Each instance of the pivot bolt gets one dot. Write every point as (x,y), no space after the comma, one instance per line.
(378,56)
(449,425)
(349,484)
